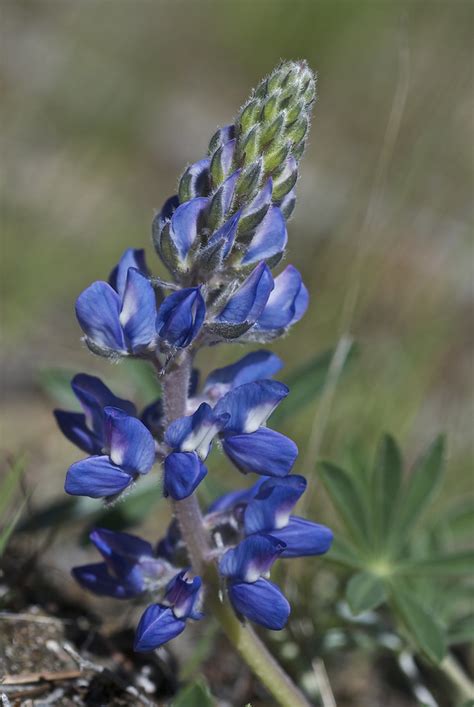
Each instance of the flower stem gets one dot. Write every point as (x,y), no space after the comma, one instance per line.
(175,384)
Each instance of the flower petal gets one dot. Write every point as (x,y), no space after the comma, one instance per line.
(138,313)
(270,238)
(130,443)
(251,558)
(96,477)
(261,602)
(247,304)
(185,224)
(235,498)
(184,471)
(263,452)
(302,538)
(183,595)
(157,625)
(271,506)
(181,316)
(94,396)
(73,426)
(250,405)
(195,433)
(287,303)
(97,311)
(97,579)
(225,235)
(132,258)
(252,367)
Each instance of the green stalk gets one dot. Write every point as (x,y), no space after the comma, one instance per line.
(188,513)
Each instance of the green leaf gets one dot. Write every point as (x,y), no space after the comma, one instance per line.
(56,383)
(422,485)
(10,485)
(386,482)
(306,383)
(456,563)
(420,624)
(461,631)
(7,531)
(194,695)
(344,554)
(364,591)
(346,498)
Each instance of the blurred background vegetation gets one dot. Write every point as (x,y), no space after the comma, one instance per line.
(104,105)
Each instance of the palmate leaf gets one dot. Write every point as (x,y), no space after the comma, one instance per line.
(365,591)
(420,624)
(461,631)
(306,383)
(419,491)
(442,565)
(386,483)
(346,497)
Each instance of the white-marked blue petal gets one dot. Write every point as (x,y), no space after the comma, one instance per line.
(271,506)
(130,444)
(250,405)
(138,314)
(132,258)
(251,558)
(195,433)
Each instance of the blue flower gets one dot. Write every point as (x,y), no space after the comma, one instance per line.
(130,566)
(119,318)
(252,367)
(191,438)
(176,230)
(286,304)
(181,316)
(162,622)
(252,596)
(249,445)
(269,240)
(184,471)
(129,451)
(87,430)
(247,304)
(194,433)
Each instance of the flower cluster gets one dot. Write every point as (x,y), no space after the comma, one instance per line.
(220,237)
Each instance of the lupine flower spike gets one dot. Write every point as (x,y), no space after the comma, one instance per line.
(220,236)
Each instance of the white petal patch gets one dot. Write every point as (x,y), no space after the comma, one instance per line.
(257,416)
(200,440)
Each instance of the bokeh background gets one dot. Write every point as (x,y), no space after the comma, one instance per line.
(104,105)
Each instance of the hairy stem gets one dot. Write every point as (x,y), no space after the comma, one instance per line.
(188,513)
